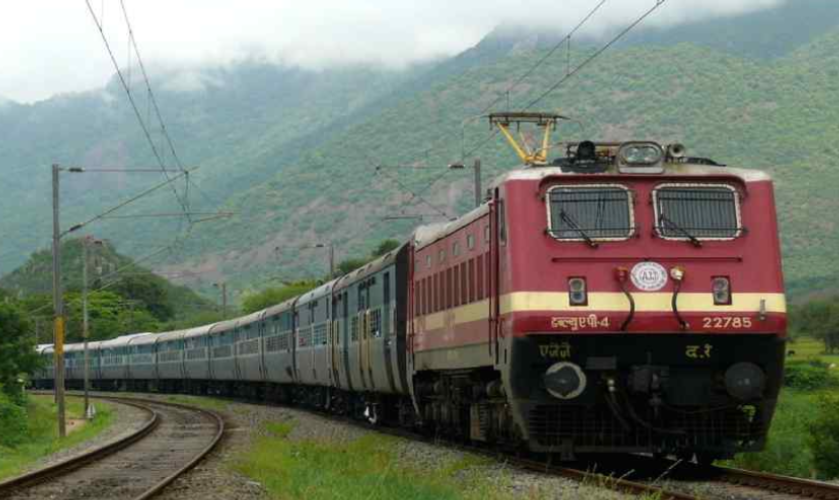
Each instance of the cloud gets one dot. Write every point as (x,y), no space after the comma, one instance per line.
(54,46)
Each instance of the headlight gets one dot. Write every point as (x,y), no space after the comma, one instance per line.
(564,380)
(577,292)
(721,288)
(745,381)
(641,153)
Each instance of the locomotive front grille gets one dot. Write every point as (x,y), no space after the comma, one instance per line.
(555,425)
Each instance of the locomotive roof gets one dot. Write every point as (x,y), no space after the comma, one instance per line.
(685,169)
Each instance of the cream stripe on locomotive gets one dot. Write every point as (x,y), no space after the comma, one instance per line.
(610,301)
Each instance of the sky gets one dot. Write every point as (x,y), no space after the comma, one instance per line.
(54,46)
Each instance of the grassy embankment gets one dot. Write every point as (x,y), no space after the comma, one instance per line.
(364,468)
(370,468)
(42,436)
(789,449)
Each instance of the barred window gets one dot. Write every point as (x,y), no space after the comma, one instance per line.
(222,352)
(697,211)
(590,212)
(376,322)
(320,334)
(354,329)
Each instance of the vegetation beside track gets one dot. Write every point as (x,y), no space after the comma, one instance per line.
(803,438)
(365,468)
(37,436)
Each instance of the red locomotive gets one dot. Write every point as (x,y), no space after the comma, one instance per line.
(623,298)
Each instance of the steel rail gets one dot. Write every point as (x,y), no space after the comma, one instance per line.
(45,474)
(777,483)
(73,463)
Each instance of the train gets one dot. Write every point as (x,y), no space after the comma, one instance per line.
(621,298)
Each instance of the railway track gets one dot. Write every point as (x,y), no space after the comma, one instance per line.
(770,484)
(135,467)
(776,483)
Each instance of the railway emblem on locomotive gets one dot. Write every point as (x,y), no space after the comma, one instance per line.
(648,276)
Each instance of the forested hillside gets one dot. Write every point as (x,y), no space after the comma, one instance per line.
(294,153)
(125,297)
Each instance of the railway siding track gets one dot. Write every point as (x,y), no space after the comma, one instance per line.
(136,467)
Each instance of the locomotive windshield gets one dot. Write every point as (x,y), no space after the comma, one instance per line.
(685,211)
(588,213)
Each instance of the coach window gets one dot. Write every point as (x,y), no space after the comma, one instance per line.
(449,289)
(590,213)
(456,300)
(428,296)
(486,234)
(480,276)
(456,249)
(470,241)
(471,280)
(428,261)
(464,292)
(442,255)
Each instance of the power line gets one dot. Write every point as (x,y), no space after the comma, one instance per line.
(544,58)
(157,155)
(569,75)
(133,41)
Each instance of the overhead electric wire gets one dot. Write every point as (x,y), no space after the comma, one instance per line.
(148,86)
(134,198)
(146,132)
(577,69)
(544,57)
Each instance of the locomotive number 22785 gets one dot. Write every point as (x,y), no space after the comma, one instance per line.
(723,322)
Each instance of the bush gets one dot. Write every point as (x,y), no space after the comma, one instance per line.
(13,429)
(807,376)
(824,436)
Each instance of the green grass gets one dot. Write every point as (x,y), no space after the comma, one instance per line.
(787,451)
(808,348)
(368,468)
(365,468)
(42,439)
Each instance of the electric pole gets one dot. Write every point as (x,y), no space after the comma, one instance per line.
(85,335)
(58,304)
(477,168)
(477,181)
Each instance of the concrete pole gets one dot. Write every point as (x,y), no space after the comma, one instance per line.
(58,304)
(477,168)
(85,330)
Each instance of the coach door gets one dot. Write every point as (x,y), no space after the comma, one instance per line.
(496,230)
(364,334)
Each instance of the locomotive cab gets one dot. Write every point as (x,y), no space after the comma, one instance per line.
(641,302)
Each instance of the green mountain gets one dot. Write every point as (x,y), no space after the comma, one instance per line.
(107,271)
(293,153)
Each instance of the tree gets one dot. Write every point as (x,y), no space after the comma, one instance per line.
(17,348)
(349,265)
(386,246)
(273,296)
(820,319)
